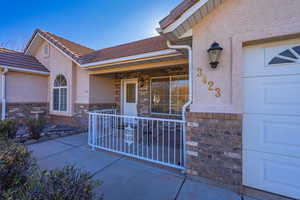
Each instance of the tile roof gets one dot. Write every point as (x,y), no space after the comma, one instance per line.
(77,49)
(130,49)
(177,12)
(70,48)
(17,59)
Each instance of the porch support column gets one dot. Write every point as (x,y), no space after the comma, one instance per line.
(3,92)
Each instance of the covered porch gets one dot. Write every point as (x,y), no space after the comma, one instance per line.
(146,119)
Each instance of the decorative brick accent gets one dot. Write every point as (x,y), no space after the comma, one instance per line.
(23,111)
(80,117)
(219,147)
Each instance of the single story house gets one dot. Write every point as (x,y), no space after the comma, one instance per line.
(228,69)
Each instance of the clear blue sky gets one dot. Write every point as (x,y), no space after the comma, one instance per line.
(94,23)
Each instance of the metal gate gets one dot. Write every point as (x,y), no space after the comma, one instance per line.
(153,139)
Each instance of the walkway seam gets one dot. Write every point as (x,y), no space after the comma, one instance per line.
(179,190)
(108,165)
(61,142)
(68,149)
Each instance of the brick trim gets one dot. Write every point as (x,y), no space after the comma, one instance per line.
(194,116)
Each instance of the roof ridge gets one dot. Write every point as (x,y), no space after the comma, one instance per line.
(50,34)
(47,33)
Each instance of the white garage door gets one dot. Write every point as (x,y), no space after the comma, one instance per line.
(271,129)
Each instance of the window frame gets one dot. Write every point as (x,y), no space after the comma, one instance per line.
(170,95)
(60,88)
(46,46)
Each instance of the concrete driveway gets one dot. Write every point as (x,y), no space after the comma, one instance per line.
(124,178)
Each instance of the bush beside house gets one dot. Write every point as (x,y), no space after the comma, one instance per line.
(20,177)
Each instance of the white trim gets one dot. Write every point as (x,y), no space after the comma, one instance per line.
(122,99)
(134,57)
(3,91)
(27,49)
(189,33)
(185,16)
(190,100)
(38,34)
(25,70)
(127,58)
(59,95)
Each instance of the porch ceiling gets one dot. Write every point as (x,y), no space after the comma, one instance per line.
(140,65)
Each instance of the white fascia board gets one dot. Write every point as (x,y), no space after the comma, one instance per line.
(26,52)
(185,16)
(25,70)
(189,33)
(61,51)
(139,56)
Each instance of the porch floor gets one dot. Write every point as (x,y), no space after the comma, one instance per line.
(124,178)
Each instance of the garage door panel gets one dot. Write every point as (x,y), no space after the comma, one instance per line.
(278,135)
(272,95)
(271,124)
(257,61)
(272,173)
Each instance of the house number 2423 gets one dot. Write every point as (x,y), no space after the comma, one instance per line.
(210,84)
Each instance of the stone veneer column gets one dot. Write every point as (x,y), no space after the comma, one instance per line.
(214,147)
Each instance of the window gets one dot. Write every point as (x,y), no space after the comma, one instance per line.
(169,94)
(130,93)
(291,55)
(60,94)
(46,50)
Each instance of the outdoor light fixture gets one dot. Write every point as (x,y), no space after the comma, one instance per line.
(214,53)
(142,82)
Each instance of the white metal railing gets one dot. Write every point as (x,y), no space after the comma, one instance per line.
(152,139)
(106,111)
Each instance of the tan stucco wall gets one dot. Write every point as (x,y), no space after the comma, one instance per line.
(26,88)
(57,63)
(102,89)
(232,24)
(82,88)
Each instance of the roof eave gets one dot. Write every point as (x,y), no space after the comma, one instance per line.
(25,70)
(31,41)
(134,58)
(182,26)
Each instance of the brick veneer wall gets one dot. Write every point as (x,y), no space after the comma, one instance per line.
(143,107)
(23,111)
(214,147)
(80,117)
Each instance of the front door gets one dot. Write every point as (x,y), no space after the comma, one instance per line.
(130,97)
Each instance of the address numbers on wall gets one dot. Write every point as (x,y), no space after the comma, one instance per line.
(210,84)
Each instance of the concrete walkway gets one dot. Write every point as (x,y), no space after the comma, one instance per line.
(124,178)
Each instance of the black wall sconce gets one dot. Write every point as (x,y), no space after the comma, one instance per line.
(142,82)
(214,54)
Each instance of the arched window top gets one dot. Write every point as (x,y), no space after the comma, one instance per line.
(288,56)
(60,81)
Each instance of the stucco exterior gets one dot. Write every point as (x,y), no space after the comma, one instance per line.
(234,24)
(57,64)
(26,88)
(102,89)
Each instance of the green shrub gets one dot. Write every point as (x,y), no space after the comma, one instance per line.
(35,127)
(68,183)
(16,165)
(8,129)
